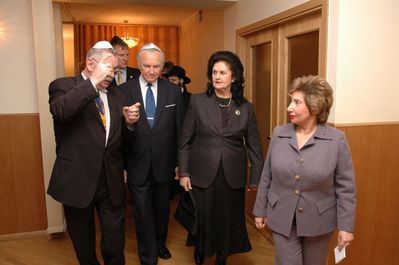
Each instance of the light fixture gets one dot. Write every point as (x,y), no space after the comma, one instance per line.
(130,40)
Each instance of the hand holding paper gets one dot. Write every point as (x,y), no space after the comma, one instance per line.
(339,254)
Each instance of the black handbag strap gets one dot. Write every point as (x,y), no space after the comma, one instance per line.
(189,193)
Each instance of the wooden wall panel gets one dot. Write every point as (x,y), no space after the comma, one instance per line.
(375,151)
(22,196)
(201,36)
(86,35)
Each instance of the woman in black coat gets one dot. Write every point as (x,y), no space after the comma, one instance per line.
(219,135)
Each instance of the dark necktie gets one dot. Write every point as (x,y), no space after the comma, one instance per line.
(150,105)
(101,110)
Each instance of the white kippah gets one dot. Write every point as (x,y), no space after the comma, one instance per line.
(150,46)
(102,45)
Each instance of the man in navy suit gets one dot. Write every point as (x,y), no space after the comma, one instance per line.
(125,73)
(90,117)
(150,157)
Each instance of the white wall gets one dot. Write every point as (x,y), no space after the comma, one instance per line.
(363,60)
(49,65)
(246,12)
(18,74)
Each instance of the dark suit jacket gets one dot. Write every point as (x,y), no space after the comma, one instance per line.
(131,73)
(204,143)
(80,139)
(154,148)
(185,99)
(315,183)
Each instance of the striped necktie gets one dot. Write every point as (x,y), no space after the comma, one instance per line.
(101,110)
(150,105)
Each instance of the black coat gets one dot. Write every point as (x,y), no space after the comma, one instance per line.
(204,143)
(131,73)
(80,143)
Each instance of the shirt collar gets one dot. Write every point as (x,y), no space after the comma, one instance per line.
(289,132)
(143,82)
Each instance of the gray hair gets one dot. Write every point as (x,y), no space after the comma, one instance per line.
(97,53)
(152,48)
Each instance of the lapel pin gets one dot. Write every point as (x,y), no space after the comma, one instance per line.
(237,112)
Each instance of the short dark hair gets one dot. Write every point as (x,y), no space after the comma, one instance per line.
(167,66)
(117,41)
(235,65)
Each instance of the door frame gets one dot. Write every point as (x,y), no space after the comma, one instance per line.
(302,10)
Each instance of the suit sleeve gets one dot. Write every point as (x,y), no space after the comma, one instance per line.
(345,187)
(68,99)
(186,140)
(254,149)
(260,207)
(180,113)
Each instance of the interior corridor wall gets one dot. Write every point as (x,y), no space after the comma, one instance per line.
(200,36)
(363,60)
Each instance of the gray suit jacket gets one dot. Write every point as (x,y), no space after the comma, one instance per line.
(316,184)
(204,143)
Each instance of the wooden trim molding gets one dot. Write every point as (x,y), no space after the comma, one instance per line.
(380,123)
(23,235)
(283,17)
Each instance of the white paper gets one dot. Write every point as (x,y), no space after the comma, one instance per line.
(339,255)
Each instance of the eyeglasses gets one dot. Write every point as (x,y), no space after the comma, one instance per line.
(116,70)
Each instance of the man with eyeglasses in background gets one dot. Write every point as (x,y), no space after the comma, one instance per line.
(125,73)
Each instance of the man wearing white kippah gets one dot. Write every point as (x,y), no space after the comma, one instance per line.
(90,119)
(151,152)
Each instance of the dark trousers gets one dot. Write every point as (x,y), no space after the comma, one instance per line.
(151,216)
(81,228)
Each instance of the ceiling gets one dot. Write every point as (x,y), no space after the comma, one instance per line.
(155,12)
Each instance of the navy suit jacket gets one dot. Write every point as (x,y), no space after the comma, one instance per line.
(154,148)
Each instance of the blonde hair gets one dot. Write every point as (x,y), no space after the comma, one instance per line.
(318,95)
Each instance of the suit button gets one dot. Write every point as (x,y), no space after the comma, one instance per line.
(297,177)
(300,209)
(301,160)
(296,192)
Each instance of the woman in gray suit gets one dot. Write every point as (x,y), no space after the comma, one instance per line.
(307,188)
(219,134)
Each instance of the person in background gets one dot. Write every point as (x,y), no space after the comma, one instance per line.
(151,152)
(166,68)
(177,76)
(307,188)
(90,118)
(125,73)
(219,135)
